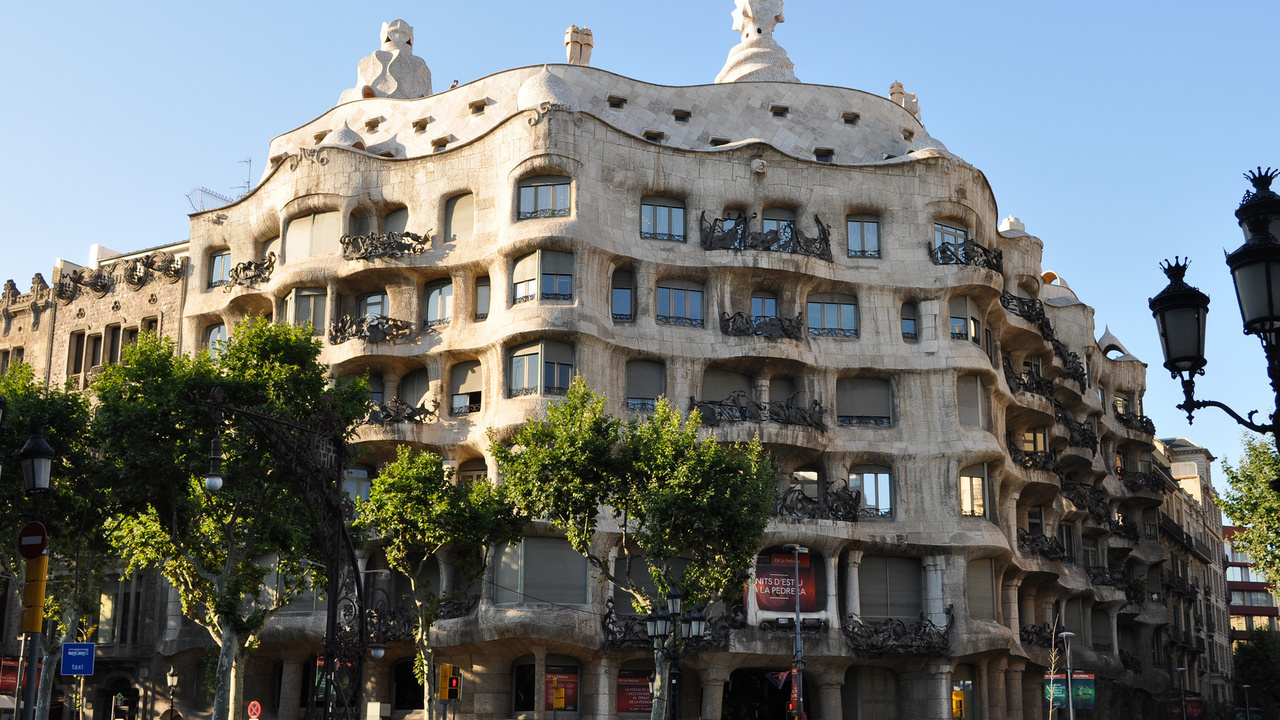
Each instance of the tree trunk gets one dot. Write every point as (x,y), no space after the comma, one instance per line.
(238,703)
(52,650)
(428,676)
(661,669)
(229,648)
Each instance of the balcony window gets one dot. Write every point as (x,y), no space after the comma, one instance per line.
(910,321)
(973,491)
(523,378)
(482,298)
(524,279)
(377,387)
(357,482)
(890,587)
(864,235)
(680,302)
(764,304)
(307,305)
(465,388)
(723,386)
(439,303)
(312,235)
(459,218)
(556,368)
(540,570)
(1067,534)
(833,314)
(949,235)
(622,296)
(778,221)
(875,482)
(215,337)
(809,482)
(1089,553)
(965,321)
(415,388)
(864,401)
(219,268)
(1035,440)
(396,221)
(557,275)
(473,471)
(372,305)
(1035,520)
(662,219)
(646,382)
(544,196)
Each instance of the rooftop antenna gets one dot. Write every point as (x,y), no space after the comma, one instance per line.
(248,182)
(199,198)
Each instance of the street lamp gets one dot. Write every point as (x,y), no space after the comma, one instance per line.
(1182,687)
(36,459)
(213,478)
(171,681)
(1066,636)
(1247,714)
(797,657)
(1180,309)
(684,631)
(37,465)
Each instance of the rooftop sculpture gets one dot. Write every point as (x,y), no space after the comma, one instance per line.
(758,57)
(392,72)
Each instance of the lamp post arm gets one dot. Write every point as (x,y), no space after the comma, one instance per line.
(1191,404)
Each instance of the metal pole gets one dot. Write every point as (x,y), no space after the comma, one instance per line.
(29,691)
(1182,686)
(1247,714)
(1071,701)
(797,662)
(22,673)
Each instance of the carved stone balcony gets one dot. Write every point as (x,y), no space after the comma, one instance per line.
(1140,423)
(1138,481)
(739,407)
(968,253)
(734,232)
(388,246)
(1078,434)
(1113,577)
(251,272)
(370,328)
(837,503)
(1042,460)
(894,637)
(1045,546)
(769,327)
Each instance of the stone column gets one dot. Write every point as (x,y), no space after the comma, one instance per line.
(935,597)
(1087,625)
(377,680)
(833,590)
(830,704)
(1027,609)
(606,670)
(1013,689)
(539,683)
(996,694)
(332,307)
(929,690)
(390,387)
(852,586)
(982,692)
(291,686)
(1012,614)
(1115,633)
(713,680)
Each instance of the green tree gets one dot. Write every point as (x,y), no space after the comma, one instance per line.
(75,511)
(1252,504)
(238,555)
(692,510)
(422,514)
(1257,664)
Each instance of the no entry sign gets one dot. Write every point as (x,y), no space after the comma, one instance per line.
(32,540)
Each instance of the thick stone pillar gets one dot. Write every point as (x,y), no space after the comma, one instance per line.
(713,680)
(1027,609)
(928,692)
(1012,613)
(540,683)
(1087,623)
(291,686)
(852,586)
(606,675)
(833,590)
(996,694)
(830,705)
(1115,632)
(1013,689)
(935,597)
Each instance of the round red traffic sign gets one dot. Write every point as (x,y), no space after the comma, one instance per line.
(255,709)
(32,540)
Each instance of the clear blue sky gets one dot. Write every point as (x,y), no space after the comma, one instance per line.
(1117,131)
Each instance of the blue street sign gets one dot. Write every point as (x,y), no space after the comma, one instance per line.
(77,658)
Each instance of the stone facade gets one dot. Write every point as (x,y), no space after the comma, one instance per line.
(803,263)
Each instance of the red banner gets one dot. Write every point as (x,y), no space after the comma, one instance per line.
(8,676)
(634,694)
(565,678)
(776,583)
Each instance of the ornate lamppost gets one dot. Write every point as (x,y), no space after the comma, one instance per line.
(1182,689)
(797,656)
(674,634)
(1180,309)
(1247,714)
(1071,701)
(36,458)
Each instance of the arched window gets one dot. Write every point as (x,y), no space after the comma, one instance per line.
(544,196)
(439,303)
(864,401)
(372,305)
(473,471)
(465,388)
(973,491)
(415,388)
(459,218)
(662,219)
(833,314)
(219,268)
(875,482)
(646,382)
(540,570)
(215,337)
(312,235)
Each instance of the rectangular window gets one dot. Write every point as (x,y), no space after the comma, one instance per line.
(910,315)
(948,235)
(1035,520)
(1035,440)
(973,491)
(219,268)
(680,306)
(1089,554)
(524,372)
(557,275)
(4,361)
(646,382)
(309,307)
(980,589)
(524,279)
(890,587)
(75,355)
(540,570)
(764,306)
(864,237)
(875,485)
(482,298)
(662,219)
(1067,536)
(833,318)
(465,388)
(151,325)
(373,305)
(622,296)
(556,377)
(95,351)
(544,197)
(439,304)
(114,336)
(864,401)
(972,401)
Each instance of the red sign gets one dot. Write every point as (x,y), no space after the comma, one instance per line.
(8,676)
(32,540)
(563,677)
(776,583)
(254,709)
(634,694)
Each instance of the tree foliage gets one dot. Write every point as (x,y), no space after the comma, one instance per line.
(681,499)
(1253,505)
(1257,664)
(219,549)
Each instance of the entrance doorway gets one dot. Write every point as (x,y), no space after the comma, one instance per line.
(762,694)
(117,701)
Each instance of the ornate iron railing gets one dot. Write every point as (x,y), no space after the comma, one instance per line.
(395,412)
(1032,310)
(623,317)
(1028,381)
(1114,577)
(1138,481)
(892,636)
(864,420)
(628,631)
(1032,459)
(1089,498)
(1072,367)
(370,328)
(787,239)
(675,237)
(390,245)
(680,321)
(1038,635)
(454,608)
(832,332)
(522,391)
(544,213)
(468,409)
(770,327)
(739,407)
(1078,434)
(787,625)
(1141,423)
(642,404)
(839,503)
(1130,661)
(968,253)
(1045,546)
(251,272)
(1126,529)
(557,296)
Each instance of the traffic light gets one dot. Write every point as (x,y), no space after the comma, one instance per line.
(449,686)
(33,594)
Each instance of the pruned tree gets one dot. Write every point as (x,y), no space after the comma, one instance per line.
(692,509)
(418,509)
(219,548)
(1252,504)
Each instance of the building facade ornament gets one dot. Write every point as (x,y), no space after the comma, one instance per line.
(758,58)
(393,71)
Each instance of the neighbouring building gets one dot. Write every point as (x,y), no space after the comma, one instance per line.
(1253,601)
(967,462)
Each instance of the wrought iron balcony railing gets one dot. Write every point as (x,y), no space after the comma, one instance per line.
(1088,498)
(968,253)
(389,246)
(394,412)
(1130,661)
(739,407)
(1042,460)
(734,232)
(896,637)
(251,272)
(680,321)
(1139,481)
(1114,577)
(370,328)
(1038,635)
(769,327)
(1079,434)
(836,503)
(1045,546)
(1028,381)
(1141,423)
